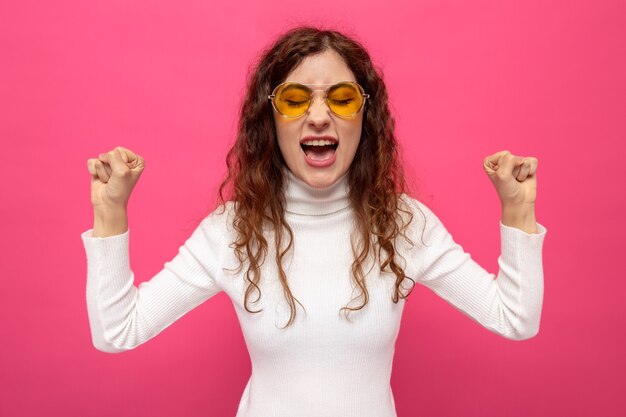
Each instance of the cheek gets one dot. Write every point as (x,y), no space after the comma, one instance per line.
(354,138)
(352,135)
(287,138)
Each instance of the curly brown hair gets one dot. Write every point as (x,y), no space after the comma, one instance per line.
(255,164)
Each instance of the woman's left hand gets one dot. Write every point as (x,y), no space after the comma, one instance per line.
(515,178)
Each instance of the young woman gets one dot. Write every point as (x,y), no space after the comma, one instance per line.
(317,244)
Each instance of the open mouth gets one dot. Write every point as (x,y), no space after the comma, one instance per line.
(319,150)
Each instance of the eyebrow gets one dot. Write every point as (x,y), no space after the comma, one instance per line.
(321,85)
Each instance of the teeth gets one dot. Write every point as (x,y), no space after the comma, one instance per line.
(322,142)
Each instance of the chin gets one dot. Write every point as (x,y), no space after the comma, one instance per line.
(320,180)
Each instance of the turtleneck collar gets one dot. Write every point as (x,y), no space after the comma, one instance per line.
(303,199)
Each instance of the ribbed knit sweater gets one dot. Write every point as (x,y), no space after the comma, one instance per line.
(322,365)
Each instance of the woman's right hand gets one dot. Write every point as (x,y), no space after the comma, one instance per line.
(113,177)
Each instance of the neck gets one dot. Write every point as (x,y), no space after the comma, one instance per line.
(303,199)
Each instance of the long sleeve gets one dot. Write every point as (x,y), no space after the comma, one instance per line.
(508,304)
(123,316)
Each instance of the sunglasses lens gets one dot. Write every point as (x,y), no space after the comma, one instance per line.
(345,99)
(292,100)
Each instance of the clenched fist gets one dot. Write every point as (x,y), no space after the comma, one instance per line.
(113,177)
(514,177)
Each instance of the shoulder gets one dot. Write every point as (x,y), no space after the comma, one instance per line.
(222,213)
(415,207)
(422,218)
(218,223)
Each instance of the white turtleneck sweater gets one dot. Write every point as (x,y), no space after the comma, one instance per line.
(322,365)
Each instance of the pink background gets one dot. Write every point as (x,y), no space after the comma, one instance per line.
(164,78)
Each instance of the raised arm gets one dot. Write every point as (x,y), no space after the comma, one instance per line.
(509,304)
(121,315)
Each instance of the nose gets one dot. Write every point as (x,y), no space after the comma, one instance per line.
(318,113)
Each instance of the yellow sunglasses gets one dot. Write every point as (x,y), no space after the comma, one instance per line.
(292,100)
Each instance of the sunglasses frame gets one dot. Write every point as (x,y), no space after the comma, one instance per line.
(272,96)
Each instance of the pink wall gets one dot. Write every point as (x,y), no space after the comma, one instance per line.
(467,79)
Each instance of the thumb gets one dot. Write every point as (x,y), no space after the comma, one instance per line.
(508,162)
(122,161)
(492,163)
(135,163)
(116,161)
(502,165)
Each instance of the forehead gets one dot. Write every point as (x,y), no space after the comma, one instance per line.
(327,67)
